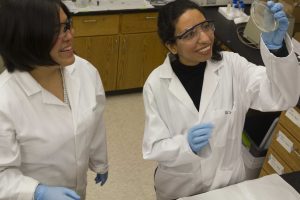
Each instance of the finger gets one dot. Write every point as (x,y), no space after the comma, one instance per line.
(200,139)
(276,7)
(201,126)
(199,146)
(72,194)
(280,14)
(270,4)
(200,132)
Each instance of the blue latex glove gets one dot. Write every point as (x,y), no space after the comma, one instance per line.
(274,39)
(43,192)
(101,178)
(198,136)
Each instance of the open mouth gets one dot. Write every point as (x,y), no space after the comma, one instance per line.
(67,49)
(205,50)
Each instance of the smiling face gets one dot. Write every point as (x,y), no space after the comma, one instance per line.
(62,50)
(199,49)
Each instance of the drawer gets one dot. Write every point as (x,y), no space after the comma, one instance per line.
(290,119)
(287,147)
(139,22)
(92,25)
(274,164)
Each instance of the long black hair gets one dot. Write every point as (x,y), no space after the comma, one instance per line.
(29,29)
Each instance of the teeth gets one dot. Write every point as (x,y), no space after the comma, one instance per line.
(205,49)
(67,49)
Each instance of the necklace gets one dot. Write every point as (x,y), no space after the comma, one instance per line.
(66,98)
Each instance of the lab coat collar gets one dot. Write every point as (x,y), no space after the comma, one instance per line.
(32,87)
(210,83)
(167,71)
(27,83)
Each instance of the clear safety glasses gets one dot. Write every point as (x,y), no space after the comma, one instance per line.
(64,27)
(194,32)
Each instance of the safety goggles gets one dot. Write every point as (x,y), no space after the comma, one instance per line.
(194,31)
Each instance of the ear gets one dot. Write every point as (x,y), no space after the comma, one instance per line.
(172,48)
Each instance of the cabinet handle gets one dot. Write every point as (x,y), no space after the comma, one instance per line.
(89,21)
(150,17)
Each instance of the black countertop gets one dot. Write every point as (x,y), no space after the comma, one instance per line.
(293,179)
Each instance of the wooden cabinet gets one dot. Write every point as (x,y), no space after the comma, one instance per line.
(124,48)
(284,152)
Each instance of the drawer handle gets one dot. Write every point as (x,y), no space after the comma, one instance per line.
(150,17)
(89,21)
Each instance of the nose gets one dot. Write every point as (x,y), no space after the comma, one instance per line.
(203,36)
(69,34)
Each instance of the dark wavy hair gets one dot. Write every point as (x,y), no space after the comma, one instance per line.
(168,17)
(29,29)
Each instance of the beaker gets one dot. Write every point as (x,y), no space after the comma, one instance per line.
(262,16)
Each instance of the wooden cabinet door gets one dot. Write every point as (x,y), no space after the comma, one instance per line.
(102,52)
(139,54)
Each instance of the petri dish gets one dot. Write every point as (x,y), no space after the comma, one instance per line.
(262,16)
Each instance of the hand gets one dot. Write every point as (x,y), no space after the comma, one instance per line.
(198,136)
(274,39)
(43,192)
(101,178)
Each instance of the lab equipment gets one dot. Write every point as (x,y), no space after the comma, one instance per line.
(274,39)
(217,2)
(44,192)
(198,136)
(82,3)
(101,178)
(262,16)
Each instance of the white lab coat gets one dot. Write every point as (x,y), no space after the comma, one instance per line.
(230,88)
(42,140)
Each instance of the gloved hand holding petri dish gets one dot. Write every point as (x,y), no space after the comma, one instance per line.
(262,16)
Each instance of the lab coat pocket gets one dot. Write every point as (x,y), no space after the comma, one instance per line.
(222,120)
(173,184)
(87,123)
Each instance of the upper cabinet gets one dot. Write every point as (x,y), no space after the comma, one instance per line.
(124,48)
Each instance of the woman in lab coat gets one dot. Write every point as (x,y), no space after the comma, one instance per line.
(51,106)
(196,101)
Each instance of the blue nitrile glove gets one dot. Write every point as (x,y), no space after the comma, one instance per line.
(198,136)
(274,39)
(101,178)
(43,192)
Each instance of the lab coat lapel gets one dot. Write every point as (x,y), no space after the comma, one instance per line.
(210,83)
(73,88)
(31,87)
(175,86)
(177,89)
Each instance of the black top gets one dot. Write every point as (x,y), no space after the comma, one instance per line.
(191,77)
(293,179)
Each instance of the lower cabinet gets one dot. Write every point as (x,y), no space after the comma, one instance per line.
(139,54)
(102,52)
(125,51)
